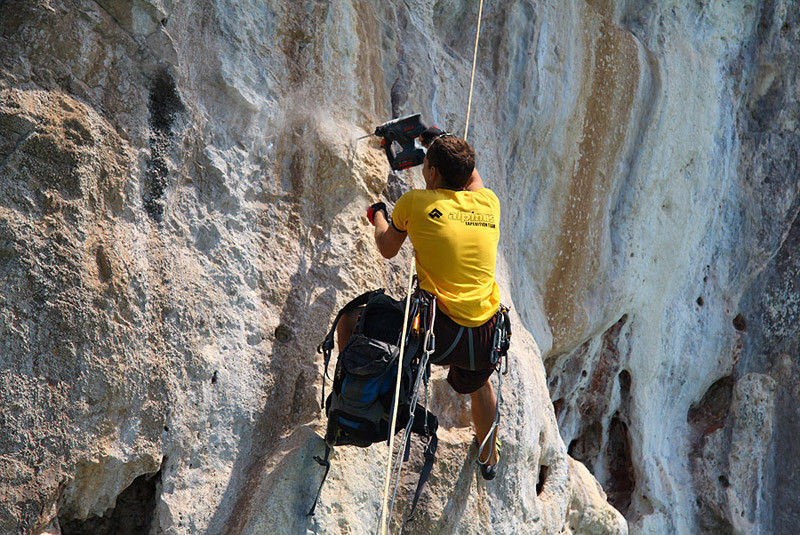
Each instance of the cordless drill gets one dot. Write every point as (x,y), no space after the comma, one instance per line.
(404,131)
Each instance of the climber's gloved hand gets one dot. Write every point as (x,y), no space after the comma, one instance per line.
(377,207)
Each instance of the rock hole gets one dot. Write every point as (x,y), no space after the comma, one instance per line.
(554,380)
(103,264)
(214,378)
(621,480)
(132,513)
(710,413)
(739,323)
(558,407)
(624,378)
(586,447)
(700,301)
(283,334)
(724,481)
(543,469)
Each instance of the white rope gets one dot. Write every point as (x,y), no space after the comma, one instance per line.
(474,62)
(384,519)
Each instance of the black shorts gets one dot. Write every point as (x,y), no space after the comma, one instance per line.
(467,350)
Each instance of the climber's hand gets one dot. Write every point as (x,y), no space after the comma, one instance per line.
(377,207)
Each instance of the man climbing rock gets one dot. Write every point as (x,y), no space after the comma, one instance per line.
(454,227)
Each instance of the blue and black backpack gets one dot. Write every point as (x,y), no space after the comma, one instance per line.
(360,407)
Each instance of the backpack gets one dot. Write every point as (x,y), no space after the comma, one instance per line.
(360,407)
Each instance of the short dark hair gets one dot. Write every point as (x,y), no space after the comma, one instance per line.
(454,159)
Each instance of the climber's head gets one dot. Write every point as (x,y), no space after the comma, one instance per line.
(449,159)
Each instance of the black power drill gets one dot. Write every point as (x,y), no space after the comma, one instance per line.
(403,131)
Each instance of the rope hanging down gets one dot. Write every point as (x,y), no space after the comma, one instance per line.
(474,62)
(384,521)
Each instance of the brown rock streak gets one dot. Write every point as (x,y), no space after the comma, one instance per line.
(611,87)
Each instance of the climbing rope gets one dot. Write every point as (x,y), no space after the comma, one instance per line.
(385,519)
(474,62)
(395,403)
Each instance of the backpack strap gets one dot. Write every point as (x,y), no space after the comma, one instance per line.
(327,464)
(428,428)
(430,455)
(326,347)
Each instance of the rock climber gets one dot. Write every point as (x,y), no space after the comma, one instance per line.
(454,227)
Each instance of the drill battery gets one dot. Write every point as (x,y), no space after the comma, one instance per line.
(404,132)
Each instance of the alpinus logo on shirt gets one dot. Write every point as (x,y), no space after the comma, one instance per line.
(435,214)
(473,219)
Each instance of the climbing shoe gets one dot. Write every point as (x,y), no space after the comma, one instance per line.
(489,472)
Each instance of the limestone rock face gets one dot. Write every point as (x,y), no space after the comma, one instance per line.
(182,194)
(669,370)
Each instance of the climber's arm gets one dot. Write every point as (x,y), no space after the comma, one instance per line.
(474,183)
(387,237)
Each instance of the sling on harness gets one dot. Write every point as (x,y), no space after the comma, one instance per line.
(366,369)
(500,346)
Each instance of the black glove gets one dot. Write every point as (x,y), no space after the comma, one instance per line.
(377,207)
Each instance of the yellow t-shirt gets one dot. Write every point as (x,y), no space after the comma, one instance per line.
(455,236)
